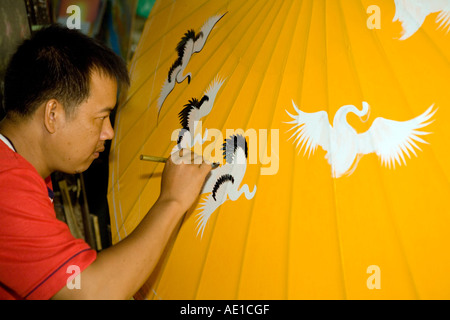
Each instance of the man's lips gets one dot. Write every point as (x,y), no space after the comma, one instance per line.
(98,151)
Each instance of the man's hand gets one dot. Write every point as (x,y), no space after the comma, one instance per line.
(120,270)
(182,178)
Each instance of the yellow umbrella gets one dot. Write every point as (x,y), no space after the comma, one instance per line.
(333,117)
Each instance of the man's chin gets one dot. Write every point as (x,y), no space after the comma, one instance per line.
(83,168)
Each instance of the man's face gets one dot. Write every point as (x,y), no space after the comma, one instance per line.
(83,135)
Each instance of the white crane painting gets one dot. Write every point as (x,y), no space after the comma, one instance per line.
(190,43)
(412,14)
(390,140)
(192,114)
(224,182)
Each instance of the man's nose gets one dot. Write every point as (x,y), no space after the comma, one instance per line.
(107,130)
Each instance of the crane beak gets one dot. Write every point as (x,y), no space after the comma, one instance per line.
(366,110)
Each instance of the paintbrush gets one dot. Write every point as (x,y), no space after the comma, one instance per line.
(163,160)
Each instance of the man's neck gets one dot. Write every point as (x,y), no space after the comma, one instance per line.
(26,141)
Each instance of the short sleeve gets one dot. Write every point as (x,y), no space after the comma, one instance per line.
(36,249)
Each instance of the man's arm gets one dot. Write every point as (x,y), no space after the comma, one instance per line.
(119,271)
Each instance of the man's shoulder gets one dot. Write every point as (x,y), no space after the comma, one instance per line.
(11,163)
(17,176)
(6,154)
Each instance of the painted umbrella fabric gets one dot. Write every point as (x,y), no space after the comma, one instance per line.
(330,123)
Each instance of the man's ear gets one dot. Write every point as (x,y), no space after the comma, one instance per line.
(53,114)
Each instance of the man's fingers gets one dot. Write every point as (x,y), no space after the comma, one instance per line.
(186,156)
(179,157)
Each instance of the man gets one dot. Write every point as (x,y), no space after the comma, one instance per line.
(60,88)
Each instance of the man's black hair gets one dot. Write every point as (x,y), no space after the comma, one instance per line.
(57,63)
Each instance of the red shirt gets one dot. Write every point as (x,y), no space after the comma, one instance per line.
(36,249)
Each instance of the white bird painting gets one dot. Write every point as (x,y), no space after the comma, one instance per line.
(390,140)
(190,43)
(412,14)
(224,182)
(192,114)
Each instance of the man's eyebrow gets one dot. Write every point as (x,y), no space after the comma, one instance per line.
(107,109)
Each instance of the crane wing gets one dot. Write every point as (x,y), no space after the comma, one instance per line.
(177,69)
(205,31)
(391,140)
(210,93)
(214,175)
(444,19)
(165,90)
(411,15)
(311,130)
